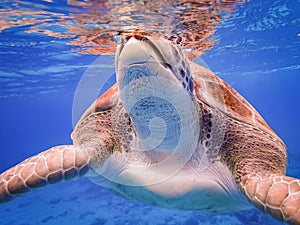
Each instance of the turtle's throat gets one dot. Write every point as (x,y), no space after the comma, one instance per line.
(159,108)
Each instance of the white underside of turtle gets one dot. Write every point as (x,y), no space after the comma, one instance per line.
(188,189)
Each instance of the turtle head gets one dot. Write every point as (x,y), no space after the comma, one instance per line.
(139,57)
(156,89)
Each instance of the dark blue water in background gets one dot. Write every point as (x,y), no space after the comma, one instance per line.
(257,52)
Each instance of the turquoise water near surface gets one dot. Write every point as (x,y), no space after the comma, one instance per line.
(257,52)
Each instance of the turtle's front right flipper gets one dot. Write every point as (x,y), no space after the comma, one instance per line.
(53,165)
(277,195)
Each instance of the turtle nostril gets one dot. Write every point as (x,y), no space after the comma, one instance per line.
(140,37)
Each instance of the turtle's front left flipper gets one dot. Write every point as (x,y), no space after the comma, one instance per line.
(276,195)
(53,165)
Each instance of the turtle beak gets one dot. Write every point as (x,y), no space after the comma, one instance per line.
(138,49)
(157,56)
(133,51)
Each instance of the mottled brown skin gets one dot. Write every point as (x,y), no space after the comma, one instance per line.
(250,148)
(49,167)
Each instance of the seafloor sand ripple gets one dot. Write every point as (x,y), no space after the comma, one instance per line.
(82,202)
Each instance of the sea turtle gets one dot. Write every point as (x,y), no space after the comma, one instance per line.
(173,134)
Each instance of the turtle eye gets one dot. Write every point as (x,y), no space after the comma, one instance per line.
(171,68)
(166,65)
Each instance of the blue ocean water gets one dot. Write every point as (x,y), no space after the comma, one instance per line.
(257,52)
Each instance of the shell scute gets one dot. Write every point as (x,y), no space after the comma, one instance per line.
(108,100)
(216,93)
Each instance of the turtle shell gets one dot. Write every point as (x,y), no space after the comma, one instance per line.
(105,102)
(216,93)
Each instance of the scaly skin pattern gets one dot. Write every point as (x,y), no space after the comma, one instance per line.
(251,149)
(51,166)
(276,195)
(258,162)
